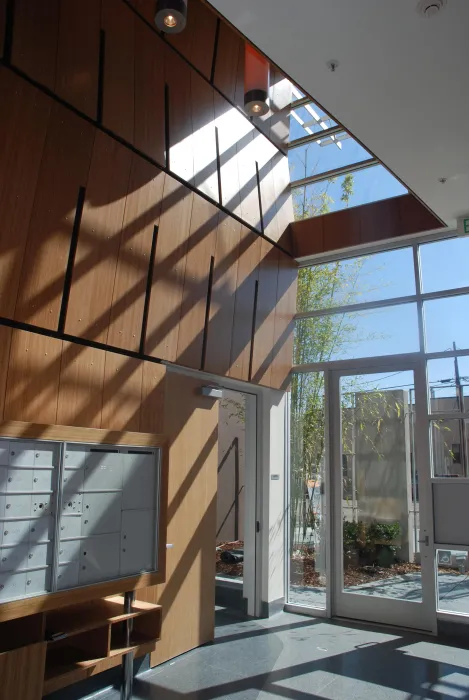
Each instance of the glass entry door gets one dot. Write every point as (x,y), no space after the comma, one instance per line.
(382,522)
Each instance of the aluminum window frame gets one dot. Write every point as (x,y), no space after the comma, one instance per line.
(418,358)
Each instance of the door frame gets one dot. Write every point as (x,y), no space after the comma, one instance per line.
(363,607)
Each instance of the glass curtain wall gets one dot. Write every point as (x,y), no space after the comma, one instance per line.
(413,299)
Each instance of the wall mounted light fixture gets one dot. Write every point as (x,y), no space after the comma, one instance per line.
(171,16)
(256,82)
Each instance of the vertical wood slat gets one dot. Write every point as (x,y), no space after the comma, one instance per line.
(200,248)
(226,122)
(141,214)
(265,316)
(98,242)
(80,396)
(264,152)
(203,139)
(33,378)
(64,169)
(78,54)
(149,134)
(197,41)
(153,395)
(220,326)
(34,51)
(192,429)
(169,270)
(283,198)
(3,11)
(249,194)
(230,45)
(122,392)
(24,117)
(5,343)
(282,352)
(248,274)
(181,146)
(119,70)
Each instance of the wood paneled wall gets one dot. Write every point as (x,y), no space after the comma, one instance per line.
(188,595)
(100,239)
(102,245)
(367,223)
(101,56)
(60,383)
(140,214)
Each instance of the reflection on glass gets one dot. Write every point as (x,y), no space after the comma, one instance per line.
(357,280)
(445,326)
(380,508)
(449,443)
(448,384)
(441,266)
(230,487)
(360,187)
(307,585)
(453,580)
(323,155)
(386,331)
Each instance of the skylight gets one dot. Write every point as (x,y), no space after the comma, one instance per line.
(329,169)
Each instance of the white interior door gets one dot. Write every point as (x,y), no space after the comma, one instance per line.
(382,523)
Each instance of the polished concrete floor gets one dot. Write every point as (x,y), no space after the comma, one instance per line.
(291,656)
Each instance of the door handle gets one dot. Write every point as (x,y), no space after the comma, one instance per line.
(425,541)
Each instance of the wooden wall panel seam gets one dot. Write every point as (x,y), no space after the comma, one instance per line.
(103,129)
(146,307)
(71,259)
(231,102)
(67,337)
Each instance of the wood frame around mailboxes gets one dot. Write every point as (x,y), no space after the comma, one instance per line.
(52,601)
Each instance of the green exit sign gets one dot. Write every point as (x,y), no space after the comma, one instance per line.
(463,225)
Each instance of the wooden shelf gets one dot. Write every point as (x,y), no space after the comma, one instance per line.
(83,639)
(75,619)
(137,639)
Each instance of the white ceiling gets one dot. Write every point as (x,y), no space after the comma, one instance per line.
(402,85)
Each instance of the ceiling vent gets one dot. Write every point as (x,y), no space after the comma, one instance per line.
(430,8)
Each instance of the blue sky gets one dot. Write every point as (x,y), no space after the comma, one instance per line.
(391,330)
(370,185)
(394,329)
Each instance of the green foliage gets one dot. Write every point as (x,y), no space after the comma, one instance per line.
(364,537)
(347,189)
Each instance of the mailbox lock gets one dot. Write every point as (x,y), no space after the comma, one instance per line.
(1,586)
(59,576)
(61,551)
(37,454)
(10,478)
(4,558)
(124,537)
(83,567)
(28,583)
(86,522)
(5,532)
(30,556)
(35,479)
(123,549)
(12,453)
(33,529)
(8,505)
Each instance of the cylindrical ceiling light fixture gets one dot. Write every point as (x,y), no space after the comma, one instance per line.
(256,82)
(171,15)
